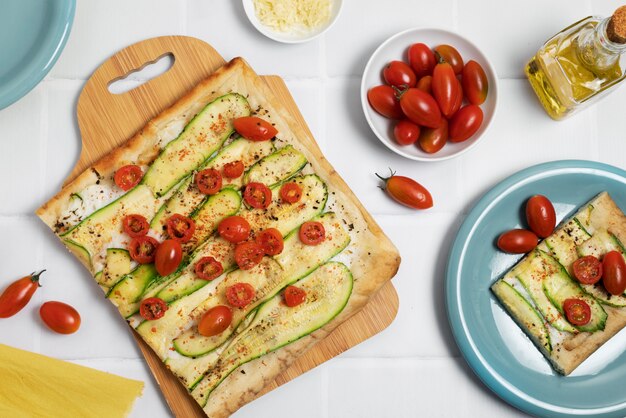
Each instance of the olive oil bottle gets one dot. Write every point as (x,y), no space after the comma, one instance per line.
(580,64)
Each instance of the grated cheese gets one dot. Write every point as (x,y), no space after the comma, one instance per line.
(293,15)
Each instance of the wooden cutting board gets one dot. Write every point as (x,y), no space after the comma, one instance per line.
(107,120)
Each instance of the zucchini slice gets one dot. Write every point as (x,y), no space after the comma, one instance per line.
(126,291)
(117,265)
(276,167)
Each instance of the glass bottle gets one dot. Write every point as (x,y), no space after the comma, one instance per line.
(580,64)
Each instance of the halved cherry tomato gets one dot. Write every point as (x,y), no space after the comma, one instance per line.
(135,225)
(290,192)
(248,255)
(432,140)
(143,249)
(312,233)
(407,191)
(294,296)
(383,100)
(420,108)
(614,273)
(215,321)
(271,240)
(540,215)
(128,176)
(425,84)
(180,227)
(18,294)
(517,241)
(60,317)
(451,56)
(209,181)
(257,195)
(254,128)
(406,132)
(587,270)
(208,268)
(446,88)
(234,229)
(240,294)
(233,169)
(475,84)
(577,311)
(399,74)
(421,59)
(152,308)
(465,123)
(168,256)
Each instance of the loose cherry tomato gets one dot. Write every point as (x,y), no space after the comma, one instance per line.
(257,195)
(587,270)
(143,249)
(432,140)
(209,181)
(407,191)
(234,229)
(406,132)
(248,255)
(517,241)
(451,56)
(446,88)
(312,233)
(254,128)
(60,317)
(233,169)
(540,215)
(421,59)
(18,294)
(240,294)
(180,227)
(614,273)
(168,256)
(128,177)
(294,296)
(577,311)
(383,100)
(208,268)
(399,74)
(215,321)
(271,240)
(152,308)
(290,192)
(465,123)
(425,84)
(420,108)
(475,84)
(135,225)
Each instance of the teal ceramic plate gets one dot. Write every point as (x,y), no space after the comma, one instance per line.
(32,36)
(493,345)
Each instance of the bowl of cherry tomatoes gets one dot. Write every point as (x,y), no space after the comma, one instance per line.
(429,94)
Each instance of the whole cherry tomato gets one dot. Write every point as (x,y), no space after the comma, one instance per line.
(475,84)
(432,140)
(254,128)
(60,317)
(465,123)
(406,132)
(234,229)
(587,269)
(215,321)
(421,59)
(459,99)
(451,56)
(420,108)
(425,84)
(540,215)
(18,294)
(614,273)
(383,100)
(399,74)
(446,88)
(128,177)
(517,241)
(168,256)
(577,311)
(294,296)
(407,191)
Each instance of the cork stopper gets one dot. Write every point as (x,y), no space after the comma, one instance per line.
(616,29)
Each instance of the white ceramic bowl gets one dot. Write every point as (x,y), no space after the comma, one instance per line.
(291,38)
(395,48)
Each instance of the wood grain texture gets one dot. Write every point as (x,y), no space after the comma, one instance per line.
(107,120)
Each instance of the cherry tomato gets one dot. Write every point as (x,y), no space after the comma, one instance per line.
(614,273)
(128,177)
(577,311)
(465,123)
(271,240)
(208,268)
(209,181)
(135,225)
(18,294)
(399,74)
(540,215)
(451,56)
(168,256)
(312,233)
(60,317)
(587,270)
(459,100)
(383,100)
(152,308)
(254,128)
(475,84)
(180,227)
(406,132)
(290,192)
(421,59)
(407,191)
(446,88)
(432,140)
(215,321)
(234,229)
(240,294)
(294,296)
(257,195)
(426,84)
(248,255)
(420,108)
(233,169)
(143,249)
(517,241)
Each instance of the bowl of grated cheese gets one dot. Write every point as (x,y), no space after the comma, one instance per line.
(292,21)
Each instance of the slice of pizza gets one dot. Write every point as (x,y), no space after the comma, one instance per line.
(566,319)
(276,249)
